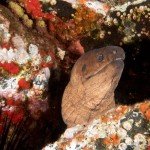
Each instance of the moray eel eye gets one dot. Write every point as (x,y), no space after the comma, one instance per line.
(84,67)
(100,58)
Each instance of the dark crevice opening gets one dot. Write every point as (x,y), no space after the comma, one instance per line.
(134,85)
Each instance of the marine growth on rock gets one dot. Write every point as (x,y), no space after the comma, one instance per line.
(121,128)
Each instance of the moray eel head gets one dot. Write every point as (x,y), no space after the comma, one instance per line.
(97,61)
(90,91)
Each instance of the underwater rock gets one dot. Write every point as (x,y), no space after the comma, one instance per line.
(121,21)
(90,91)
(25,62)
(76,47)
(125,127)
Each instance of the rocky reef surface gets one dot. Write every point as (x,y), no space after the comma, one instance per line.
(25,62)
(121,128)
(70,21)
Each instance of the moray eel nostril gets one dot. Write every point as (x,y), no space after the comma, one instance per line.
(115,52)
(84,67)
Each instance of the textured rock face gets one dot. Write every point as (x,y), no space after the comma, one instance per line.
(109,18)
(126,127)
(25,62)
(90,91)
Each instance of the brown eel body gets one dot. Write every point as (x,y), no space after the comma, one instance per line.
(90,91)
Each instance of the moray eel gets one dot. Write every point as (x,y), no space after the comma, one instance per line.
(90,91)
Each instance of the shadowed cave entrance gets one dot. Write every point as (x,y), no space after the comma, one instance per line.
(134,85)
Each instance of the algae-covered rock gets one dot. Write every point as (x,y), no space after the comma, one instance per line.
(126,127)
(26,59)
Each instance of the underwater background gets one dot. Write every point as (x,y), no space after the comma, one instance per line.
(77,30)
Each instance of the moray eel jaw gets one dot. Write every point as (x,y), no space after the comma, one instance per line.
(100,87)
(103,79)
(94,61)
(97,60)
(118,61)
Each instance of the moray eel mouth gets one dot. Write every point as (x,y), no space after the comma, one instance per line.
(118,63)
